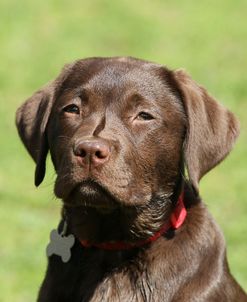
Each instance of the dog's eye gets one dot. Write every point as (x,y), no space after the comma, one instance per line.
(144,116)
(72,109)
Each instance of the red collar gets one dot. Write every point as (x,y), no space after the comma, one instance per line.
(176,220)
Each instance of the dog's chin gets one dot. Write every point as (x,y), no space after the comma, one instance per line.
(95,214)
(91,194)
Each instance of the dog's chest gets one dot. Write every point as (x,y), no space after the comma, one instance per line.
(93,280)
(123,286)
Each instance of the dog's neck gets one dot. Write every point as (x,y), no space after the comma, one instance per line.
(176,220)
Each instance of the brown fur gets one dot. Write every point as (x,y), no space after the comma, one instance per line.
(130,191)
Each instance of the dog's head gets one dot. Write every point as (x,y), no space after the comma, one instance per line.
(120,132)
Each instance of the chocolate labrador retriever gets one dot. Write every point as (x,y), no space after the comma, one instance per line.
(130,141)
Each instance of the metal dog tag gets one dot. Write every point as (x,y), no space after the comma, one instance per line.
(60,244)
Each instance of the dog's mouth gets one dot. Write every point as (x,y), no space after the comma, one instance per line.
(92,194)
(97,215)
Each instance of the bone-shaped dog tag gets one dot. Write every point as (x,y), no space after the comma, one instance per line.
(60,245)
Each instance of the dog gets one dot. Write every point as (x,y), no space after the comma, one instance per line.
(130,141)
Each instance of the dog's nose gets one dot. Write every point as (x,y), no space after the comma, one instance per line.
(95,151)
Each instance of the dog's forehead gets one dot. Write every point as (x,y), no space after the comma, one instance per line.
(120,75)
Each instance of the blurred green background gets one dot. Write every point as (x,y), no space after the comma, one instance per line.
(208,38)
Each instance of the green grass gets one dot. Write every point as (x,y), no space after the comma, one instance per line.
(208,38)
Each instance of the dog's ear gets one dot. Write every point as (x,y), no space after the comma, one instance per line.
(31,121)
(211,129)
(32,118)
